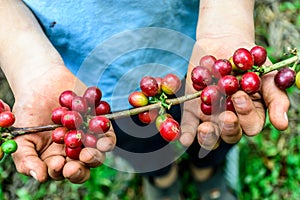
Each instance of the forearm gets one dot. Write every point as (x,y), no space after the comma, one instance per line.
(219,18)
(25,52)
(222,27)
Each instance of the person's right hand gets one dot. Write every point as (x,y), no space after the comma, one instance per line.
(251,110)
(37,155)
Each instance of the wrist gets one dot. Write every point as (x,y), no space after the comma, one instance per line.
(224,18)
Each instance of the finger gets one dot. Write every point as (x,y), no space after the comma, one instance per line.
(189,122)
(231,131)
(76,172)
(27,161)
(208,135)
(55,167)
(251,113)
(107,142)
(91,157)
(54,157)
(276,100)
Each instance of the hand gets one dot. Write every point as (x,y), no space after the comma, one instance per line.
(250,110)
(37,155)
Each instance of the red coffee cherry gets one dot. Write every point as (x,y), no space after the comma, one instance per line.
(228,84)
(250,82)
(66,98)
(57,114)
(73,138)
(99,124)
(201,77)
(72,120)
(211,95)
(221,68)
(207,61)
(243,59)
(149,86)
(58,135)
(170,129)
(170,84)
(73,153)
(7,119)
(259,54)
(92,95)
(285,78)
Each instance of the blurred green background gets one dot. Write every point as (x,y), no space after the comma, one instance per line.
(269,163)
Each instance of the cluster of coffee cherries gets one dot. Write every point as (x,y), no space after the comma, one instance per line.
(82,119)
(220,78)
(153,90)
(7,119)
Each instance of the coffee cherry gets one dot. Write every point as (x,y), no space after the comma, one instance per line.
(148,117)
(229,104)
(235,69)
(250,82)
(211,95)
(208,109)
(99,124)
(297,81)
(259,54)
(7,119)
(228,84)
(73,153)
(138,99)
(9,146)
(80,104)
(169,129)
(198,87)
(92,95)
(170,84)
(285,78)
(149,86)
(2,107)
(57,114)
(201,77)
(73,138)
(58,135)
(102,108)
(243,59)
(159,81)
(90,140)
(72,120)
(207,61)
(66,98)
(221,68)
(160,119)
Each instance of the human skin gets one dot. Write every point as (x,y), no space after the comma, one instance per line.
(37,75)
(223,27)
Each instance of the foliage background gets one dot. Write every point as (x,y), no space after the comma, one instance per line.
(269,164)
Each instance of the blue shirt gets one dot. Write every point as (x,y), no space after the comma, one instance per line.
(113,44)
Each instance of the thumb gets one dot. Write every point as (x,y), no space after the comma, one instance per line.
(276,100)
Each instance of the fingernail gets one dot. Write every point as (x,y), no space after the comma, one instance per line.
(285,116)
(240,101)
(203,135)
(106,147)
(227,126)
(33,174)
